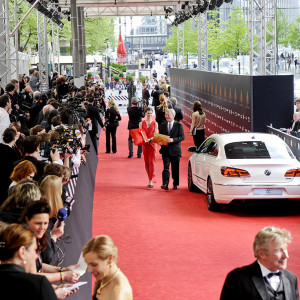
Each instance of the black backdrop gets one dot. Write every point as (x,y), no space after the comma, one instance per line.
(78,227)
(234,103)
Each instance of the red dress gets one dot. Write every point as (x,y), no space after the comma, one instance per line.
(149,150)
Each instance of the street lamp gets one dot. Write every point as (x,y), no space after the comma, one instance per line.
(106,57)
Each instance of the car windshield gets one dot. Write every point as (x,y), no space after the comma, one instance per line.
(257,150)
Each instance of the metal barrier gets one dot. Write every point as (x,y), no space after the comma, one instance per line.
(292,141)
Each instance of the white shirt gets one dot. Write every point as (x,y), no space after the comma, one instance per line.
(274,280)
(172,123)
(4,122)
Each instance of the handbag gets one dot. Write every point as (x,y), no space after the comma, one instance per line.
(139,136)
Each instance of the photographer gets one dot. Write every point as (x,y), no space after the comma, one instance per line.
(62,88)
(5,110)
(32,151)
(35,109)
(135,115)
(10,91)
(93,114)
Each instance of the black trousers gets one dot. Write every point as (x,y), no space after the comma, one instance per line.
(199,137)
(130,146)
(111,133)
(94,140)
(174,161)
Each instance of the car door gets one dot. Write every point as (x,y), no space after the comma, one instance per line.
(206,154)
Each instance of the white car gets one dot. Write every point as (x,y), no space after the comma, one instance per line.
(241,166)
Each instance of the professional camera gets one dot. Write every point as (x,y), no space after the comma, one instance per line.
(68,141)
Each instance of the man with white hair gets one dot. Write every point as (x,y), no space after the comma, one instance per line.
(172,152)
(267,278)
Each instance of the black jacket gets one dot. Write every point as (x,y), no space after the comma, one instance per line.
(155,97)
(94,115)
(179,115)
(135,115)
(7,159)
(112,117)
(177,134)
(247,283)
(17,284)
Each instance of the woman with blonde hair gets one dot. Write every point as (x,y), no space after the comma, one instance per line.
(161,109)
(24,170)
(198,123)
(24,193)
(51,187)
(112,118)
(100,254)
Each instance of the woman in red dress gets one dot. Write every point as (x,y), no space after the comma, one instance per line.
(149,148)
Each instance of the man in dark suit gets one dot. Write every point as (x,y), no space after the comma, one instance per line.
(267,278)
(135,115)
(93,114)
(179,115)
(171,154)
(131,90)
(155,97)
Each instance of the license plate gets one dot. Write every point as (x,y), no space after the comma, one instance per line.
(267,191)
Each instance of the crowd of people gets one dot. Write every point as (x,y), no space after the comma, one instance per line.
(37,166)
(43,139)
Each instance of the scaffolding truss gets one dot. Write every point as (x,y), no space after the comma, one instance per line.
(180,45)
(262,23)
(43,52)
(55,47)
(202,42)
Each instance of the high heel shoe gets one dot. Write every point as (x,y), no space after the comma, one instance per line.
(150,186)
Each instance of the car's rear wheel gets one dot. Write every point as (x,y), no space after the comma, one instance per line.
(191,185)
(212,205)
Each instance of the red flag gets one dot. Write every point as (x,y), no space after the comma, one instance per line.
(121,51)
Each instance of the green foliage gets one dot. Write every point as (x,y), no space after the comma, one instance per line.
(129,77)
(190,38)
(235,34)
(116,78)
(95,41)
(215,42)
(121,75)
(89,75)
(142,78)
(293,34)
(120,67)
(281,28)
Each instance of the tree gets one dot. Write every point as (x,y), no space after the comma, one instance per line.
(281,27)
(293,34)
(190,38)
(215,43)
(236,34)
(95,41)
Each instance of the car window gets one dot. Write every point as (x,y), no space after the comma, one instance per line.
(208,146)
(257,150)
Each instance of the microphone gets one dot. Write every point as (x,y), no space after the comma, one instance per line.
(61,215)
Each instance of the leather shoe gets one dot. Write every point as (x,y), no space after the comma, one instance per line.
(130,155)
(174,187)
(164,187)
(139,156)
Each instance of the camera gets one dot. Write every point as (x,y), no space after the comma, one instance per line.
(67,142)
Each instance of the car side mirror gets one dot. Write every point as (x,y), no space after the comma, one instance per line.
(192,149)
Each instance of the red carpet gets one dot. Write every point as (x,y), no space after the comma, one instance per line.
(170,245)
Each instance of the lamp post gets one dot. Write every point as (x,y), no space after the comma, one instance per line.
(106,57)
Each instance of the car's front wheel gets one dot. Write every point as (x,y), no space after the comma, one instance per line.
(212,205)
(191,186)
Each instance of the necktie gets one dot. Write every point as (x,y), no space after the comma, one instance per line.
(274,274)
(170,128)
